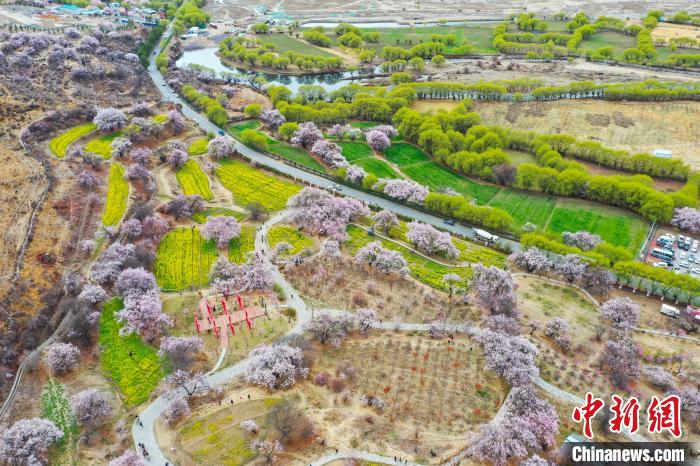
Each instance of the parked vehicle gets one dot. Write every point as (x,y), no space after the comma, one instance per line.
(448,222)
(661,264)
(662,253)
(670,311)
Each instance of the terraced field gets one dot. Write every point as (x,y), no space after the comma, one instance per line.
(134,366)
(59,144)
(193,180)
(402,154)
(183,260)
(102,145)
(201,217)
(117,196)
(198,147)
(239,248)
(251,185)
(437,177)
(290,235)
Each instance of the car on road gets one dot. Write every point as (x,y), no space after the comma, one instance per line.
(221,132)
(448,222)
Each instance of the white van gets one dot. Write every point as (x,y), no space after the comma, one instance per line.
(670,311)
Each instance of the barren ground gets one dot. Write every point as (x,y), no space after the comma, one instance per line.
(635,126)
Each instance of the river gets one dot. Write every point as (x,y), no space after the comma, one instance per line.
(208,57)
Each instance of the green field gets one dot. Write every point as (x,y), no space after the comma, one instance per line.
(353,150)
(55,407)
(479,35)
(184,259)
(520,157)
(198,147)
(238,128)
(525,207)
(193,180)
(424,270)
(290,235)
(613,225)
(402,154)
(239,248)
(295,154)
(132,365)
(437,177)
(251,185)
(102,145)
(201,217)
(161,118)
(59,144)
(617,40)
(117,196)
(360,154)
(286,43)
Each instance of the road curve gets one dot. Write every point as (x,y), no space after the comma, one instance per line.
(263,159)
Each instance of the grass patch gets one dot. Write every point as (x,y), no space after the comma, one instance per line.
(239,248)
(403,154)
(377,167)
(59,144)
(525,207)
(424,270)
(238,128)
(613,225)
(617,40)
(102,145)
(54,406)
(295,154)
(201,217)
(193,180)
(520,157)
(290,235)
(252,185)
(286,43)
(198,147)
(117,196)
(184,259)
(134,366)
(353,150)
(437,177)
(161,118)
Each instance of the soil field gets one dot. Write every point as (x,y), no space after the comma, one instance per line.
(669,31)
(635,126)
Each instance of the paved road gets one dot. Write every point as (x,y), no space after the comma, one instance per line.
(310,178)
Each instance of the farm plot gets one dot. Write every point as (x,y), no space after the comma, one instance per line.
(286,43)
(102,145)
(238,128)
(193,180)
(184,259)
(613,225)
(117,196)
(251,185)
(198,147)
(377,167)
(423,380)
(525,207)
(437,177)
(201,217)
(295,154)
(133,366)
(239,248)
(403,154)
(161,118)
(217,438)
(353,150)
(424,270)
(291,236)
(59,144)
(54,406)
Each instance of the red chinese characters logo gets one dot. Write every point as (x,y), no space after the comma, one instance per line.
(587,412)
(624,415)
(665,415)
(662,415)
